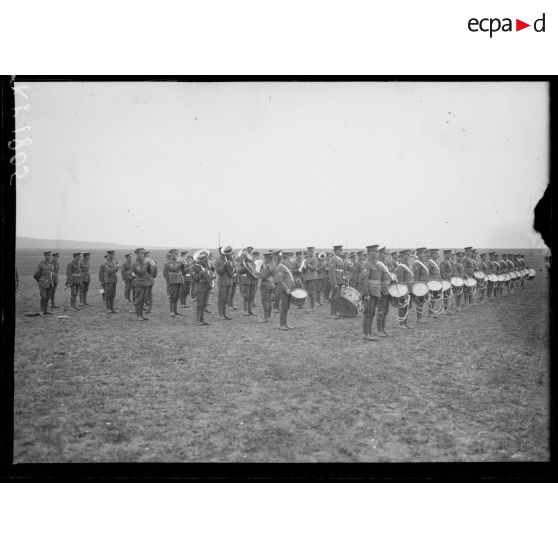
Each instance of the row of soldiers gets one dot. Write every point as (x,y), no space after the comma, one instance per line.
(320,275)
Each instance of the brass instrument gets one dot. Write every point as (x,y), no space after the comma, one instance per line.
(248,264)
(302,266)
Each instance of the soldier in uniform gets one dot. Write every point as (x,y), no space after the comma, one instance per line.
(491,268)
(421,273)
(187,280)
(310,277)
(285,283)
(140,268)
(172,272)
(497,268)
(85,268)
(469,266)
(44,276)
(503,269)
(267,285)
(73,279)
(126,271)
(247,284)
(446,269)
(393,261)
(111,278)
(234,284)
(102,277)
(385,282)
(225,272)
(201,275)
(405,275)
(322,277)
(55,272)
(435,274)
(151,281)
(370,290)
(256,256)
(336,279)
(276,293)
(459,271)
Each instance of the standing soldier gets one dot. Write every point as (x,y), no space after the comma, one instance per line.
(385,282)
(267,285)
(151,280)
(276,293)
(393,261)
(111,278)
(44,277)
(285,284)
(322,276)
(126,271)
(187,278)
(247,282)
(234,284)
(225,272)
(370,290)
(85,268)
(435,273)
(503,269)
(469,265)
(421,273)
(55,272)
(296,270)
(140,269)
(459,271)
(405,275)
(102,277)
(446,268)
(491,269)
(256,256)
(73,279)
(201,275)
(310,276)
(172,272)
(336,278)
(483,266)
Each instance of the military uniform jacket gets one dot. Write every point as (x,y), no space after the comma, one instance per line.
(44,275)
(496,266)
(336,268)
(284,278)
(510,265)
(503,266)
(385,278)
(405,275)
(483,266)
(111,271)
(172,272)
(102,268)
(459,269)
(85,268)
(187,272)
(434,270)
(322,269)
(224,270)
(267,275)
(369,282)
(244,276)
(445,270)
(73,273)
(140,270)
(420,271)
(126,271)
(469,266)
(491,267)
(311,270)
(295,271)
(202,277)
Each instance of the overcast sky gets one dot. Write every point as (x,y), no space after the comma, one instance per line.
(285,164)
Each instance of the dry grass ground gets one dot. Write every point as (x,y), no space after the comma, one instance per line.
(92,388)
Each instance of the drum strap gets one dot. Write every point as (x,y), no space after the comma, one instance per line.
(407,269)
(288,271)
(419,262)
(435,264)
(382,265)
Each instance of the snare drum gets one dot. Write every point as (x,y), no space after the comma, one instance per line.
(470,284)
(298,297)
(420,291)
(349,301)
(479,276)
(399,295)
(446,286)
(492,278)
(436,288)
(457,284)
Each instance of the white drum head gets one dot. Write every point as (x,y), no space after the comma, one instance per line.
(299,294)
(398,290)
(446,285)
(470,282)
(420,289)
(457,282)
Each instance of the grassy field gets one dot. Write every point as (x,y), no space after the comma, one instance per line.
(98,388)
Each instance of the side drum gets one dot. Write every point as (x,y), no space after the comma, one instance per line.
(349,301)
(298,297)
(399,295)
(436,288)
(421,291)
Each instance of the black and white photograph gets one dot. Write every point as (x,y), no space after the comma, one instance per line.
(281,271)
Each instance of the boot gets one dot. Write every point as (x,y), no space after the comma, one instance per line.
(175,308)
(220,310)
(250,305)
(225,311)
(202,318)
(245,306)
(172,312)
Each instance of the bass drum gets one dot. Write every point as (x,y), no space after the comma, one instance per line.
(349,301)
(421,291)
(399,295)
(436,288)
(298,297)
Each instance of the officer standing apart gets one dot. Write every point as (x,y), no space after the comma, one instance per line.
(285,284)
(151,280)
(56,270)
(140,269)
(85,268)
(370,290)
(73,279)
(44,277)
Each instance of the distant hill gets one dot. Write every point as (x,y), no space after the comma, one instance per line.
(29,243)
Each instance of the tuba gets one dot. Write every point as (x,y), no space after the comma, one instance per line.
(322,256)
(248,264)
